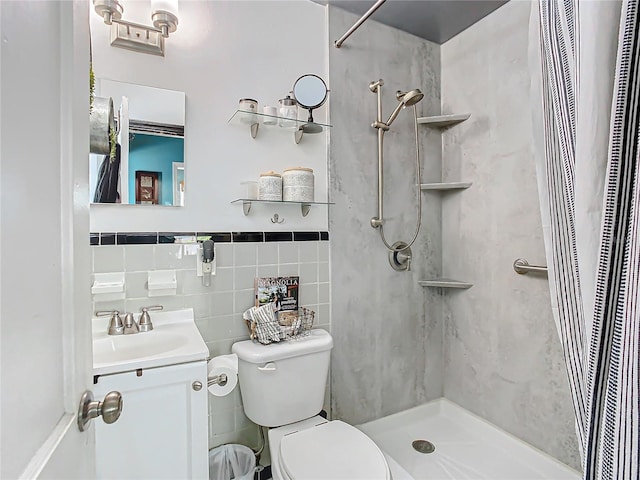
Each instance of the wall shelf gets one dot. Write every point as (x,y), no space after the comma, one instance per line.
(254,120)
(304,206)
(445,186)
(443,121)
(445,283)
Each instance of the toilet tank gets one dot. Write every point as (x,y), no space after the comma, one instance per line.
(284,382)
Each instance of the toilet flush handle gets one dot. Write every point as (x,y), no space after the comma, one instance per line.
(268,367)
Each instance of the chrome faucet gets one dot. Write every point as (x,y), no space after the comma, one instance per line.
(116,326)
(145,324)
(130,325)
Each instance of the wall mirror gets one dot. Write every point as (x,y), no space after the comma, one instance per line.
(149,166)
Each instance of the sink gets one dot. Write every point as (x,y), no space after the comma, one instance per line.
(174,339)
(129,347)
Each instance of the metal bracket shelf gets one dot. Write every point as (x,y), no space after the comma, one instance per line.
(304,206)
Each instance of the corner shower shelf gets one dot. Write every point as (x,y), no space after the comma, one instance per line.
(254,120)
(445,186)
(443,121)
(445,283)
(304,206)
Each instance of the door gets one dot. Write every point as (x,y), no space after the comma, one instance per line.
(44,248)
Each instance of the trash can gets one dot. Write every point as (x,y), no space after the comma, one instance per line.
(231,462)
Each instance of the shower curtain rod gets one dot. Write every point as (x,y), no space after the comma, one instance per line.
(355,26)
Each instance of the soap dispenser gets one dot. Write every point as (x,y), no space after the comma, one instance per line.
(208,255)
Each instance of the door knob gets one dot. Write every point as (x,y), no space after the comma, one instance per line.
(110,408)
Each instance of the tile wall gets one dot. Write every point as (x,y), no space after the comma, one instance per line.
(218,308)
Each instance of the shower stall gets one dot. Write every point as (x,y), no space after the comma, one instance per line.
(493,349)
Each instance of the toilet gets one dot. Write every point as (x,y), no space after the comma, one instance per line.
(282,387)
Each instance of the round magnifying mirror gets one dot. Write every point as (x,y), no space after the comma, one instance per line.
(310,91)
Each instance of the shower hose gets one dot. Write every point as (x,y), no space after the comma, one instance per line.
(419,194)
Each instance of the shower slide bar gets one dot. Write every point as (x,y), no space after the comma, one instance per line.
(522,267)
(338,43)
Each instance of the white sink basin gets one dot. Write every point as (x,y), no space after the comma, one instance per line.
(174,339)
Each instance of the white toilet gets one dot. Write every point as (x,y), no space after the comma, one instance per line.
(282,385)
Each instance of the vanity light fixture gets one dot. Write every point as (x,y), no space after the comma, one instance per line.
(140,38)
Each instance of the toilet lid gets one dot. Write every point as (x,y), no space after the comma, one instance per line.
(332,450)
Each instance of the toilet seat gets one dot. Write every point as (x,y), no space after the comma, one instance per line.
(331,450)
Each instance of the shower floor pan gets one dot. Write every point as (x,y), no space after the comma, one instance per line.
(466,447)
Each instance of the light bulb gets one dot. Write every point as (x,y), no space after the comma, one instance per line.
(164,14)
(169,6)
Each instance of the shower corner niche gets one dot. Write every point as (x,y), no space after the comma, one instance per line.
(255,120)
(445,283)
(442,123)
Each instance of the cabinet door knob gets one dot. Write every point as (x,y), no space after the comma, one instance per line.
(197,386)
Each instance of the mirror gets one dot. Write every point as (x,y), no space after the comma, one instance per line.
(310,92)
(148,167)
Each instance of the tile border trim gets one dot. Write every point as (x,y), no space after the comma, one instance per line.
(154,238)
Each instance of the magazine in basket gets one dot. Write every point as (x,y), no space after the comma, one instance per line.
(281,291)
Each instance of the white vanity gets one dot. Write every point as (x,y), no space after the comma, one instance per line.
(162,432)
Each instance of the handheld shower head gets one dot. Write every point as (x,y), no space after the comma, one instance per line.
(406,99)
(411,97)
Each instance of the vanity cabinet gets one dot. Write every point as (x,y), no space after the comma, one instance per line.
(162,432)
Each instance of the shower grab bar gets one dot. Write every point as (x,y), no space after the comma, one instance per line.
(355,26)
(522,267)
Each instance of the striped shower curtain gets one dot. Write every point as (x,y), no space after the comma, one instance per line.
(588,177)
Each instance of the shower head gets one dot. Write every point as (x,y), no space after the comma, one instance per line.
(410,98)
(406,99)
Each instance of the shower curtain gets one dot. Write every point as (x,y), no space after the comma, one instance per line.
(587,56)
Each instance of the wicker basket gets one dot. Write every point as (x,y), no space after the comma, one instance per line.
(295,327)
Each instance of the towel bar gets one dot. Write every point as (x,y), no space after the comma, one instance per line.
(522,267)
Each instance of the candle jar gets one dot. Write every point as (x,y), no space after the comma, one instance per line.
(298,184)
(250,106)
(270,186)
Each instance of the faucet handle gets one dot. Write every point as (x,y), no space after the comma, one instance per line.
(116,326)
(130,325)
(152,308)
(145,324)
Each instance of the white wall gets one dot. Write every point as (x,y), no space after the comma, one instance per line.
(221,52)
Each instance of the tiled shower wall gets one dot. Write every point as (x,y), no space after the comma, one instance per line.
(218,308)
